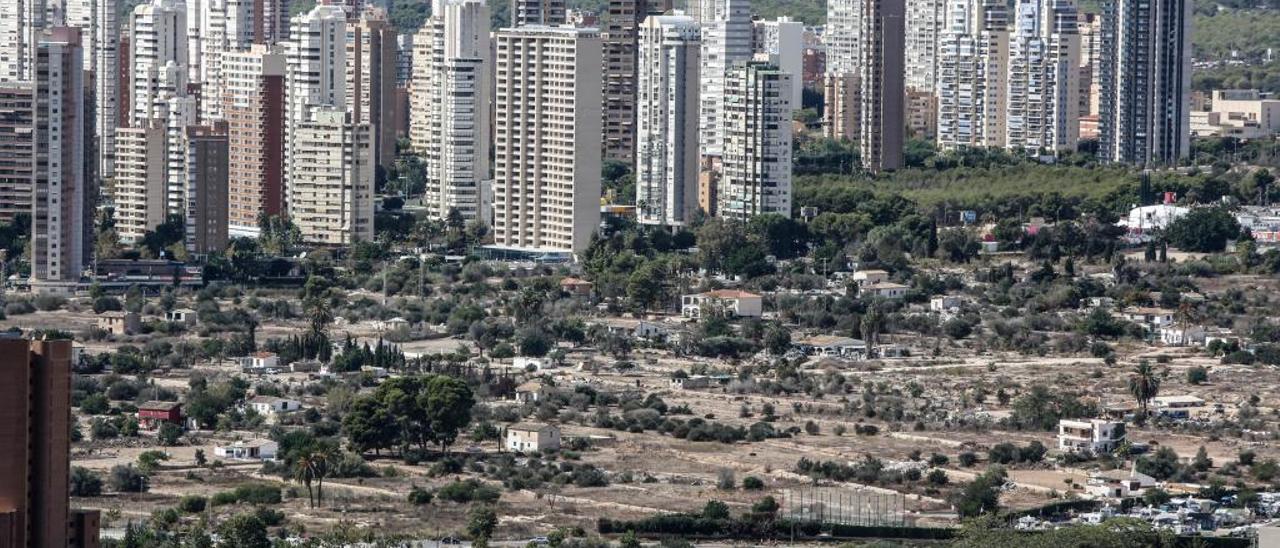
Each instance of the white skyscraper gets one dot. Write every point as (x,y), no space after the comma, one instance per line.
(1144,107)
(100,35)
(667,120)
(21,22)
(781,42)
(726,41)
(158,58)
(547,127)
(216,28)
(329,152)
(451,115)
(1044,92)
(972,65)
(757,149)
(841,36)
(924,20)
(315,58)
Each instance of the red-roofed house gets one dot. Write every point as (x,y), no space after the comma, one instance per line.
(153,413)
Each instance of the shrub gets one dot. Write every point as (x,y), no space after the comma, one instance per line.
(725,479)
(1197,375)
(85,483)
(192,504)
(715,510)
(967,459)
(937,477)
(420,496)
(752,483)
(468,491)
(223,498)
(258,493)
(127,479)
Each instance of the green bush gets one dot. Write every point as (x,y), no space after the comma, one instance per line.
(258,493)
(192,504)
(420,496)
(752,483)
(468,491)
(223,498)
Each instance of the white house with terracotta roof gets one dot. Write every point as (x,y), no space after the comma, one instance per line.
(729,302)
(532,437)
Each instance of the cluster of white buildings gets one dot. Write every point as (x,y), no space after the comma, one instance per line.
(1034,76)
(213,113)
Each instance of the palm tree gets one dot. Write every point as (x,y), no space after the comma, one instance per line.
(318,461)
(321,316)
(302,473)
(1144,384)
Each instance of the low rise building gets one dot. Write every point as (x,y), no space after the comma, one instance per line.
(181,315)
(1118,483)
(831,346)
(271,405)
(692,382)
(1182,336)
(154,413)
(726,302)
(1151,318)
(262,360)
(1091,436)
(252,450)
(1177,407)
(529,392)
(885,290)
(945,303)
(1239,113)
(576,287)
(867,277)
(533,437)
(119,322)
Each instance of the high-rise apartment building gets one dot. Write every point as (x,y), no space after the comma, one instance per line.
(538,12)
(1090,63)
(841,103)
(781,43)
(923,24)
(330,191)
(17,148)
(371,79)
(842,36)
(61,212)
(100,34)
(140,191)
(881,91)
(1043,78)
(972,67)
(451,114)
(216,28)
(316,61)
(726,42)
(1144,113)
(666,169)
(158,58)
(253,107)
(21,22)
(35,430)
(546,137)
(757,150)
(620,30)
(207,177)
